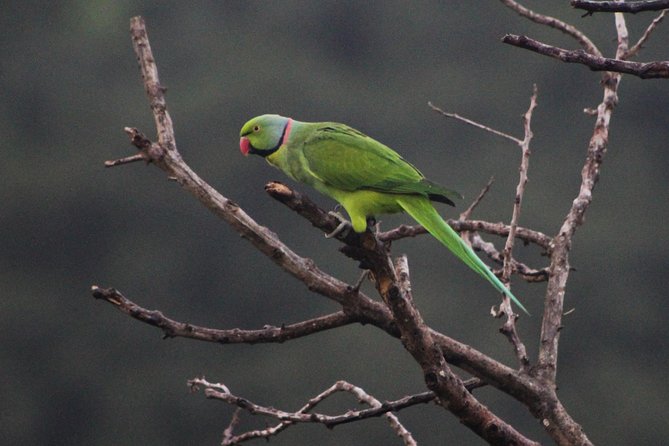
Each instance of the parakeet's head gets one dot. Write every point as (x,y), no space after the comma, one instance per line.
(263,135)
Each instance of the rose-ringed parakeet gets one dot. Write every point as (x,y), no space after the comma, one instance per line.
(366,177)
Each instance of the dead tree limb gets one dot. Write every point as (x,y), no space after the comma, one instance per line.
(643,70)
(306,415)
(172,328)
(630,6)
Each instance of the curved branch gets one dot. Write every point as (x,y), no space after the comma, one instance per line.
(172,328)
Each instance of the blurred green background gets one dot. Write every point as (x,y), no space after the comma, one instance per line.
(75,371)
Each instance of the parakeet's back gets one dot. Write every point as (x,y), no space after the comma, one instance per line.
(335,156)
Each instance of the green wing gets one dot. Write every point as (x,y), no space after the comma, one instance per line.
(349,160)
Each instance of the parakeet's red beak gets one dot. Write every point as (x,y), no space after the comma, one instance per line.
(244,145)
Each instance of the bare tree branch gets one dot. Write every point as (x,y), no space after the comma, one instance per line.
(630,6)
(557,24)
(464,215)
(165,155)
(645,36)
(644,70)
(172,328)
(509,327)
(525,272)
(559,272)
(525,234)
(127,160)
(520,189)
(473,123)
(304,414)
(509,264)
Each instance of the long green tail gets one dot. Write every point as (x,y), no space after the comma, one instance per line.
(424,213)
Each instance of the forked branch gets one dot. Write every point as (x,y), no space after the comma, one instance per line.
(306,414)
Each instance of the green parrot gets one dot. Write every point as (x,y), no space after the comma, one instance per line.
(366,177)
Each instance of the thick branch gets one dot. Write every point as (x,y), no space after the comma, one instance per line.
(630,6)
(644,70)
(438,376)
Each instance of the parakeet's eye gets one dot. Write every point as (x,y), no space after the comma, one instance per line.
(256,128)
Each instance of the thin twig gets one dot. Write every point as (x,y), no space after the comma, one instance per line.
(126,160)
(468,212)
(520,188)
(228,436)
(472,123)
(634,50)
(509,327)
(466,235)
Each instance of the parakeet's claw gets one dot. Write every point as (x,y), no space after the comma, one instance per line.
(356,288)
(343,228)
(373,225)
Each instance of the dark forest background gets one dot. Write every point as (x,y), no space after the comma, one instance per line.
(75,371)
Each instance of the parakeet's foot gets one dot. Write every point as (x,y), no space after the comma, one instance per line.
(343,228)
(355,288)
(373,224)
